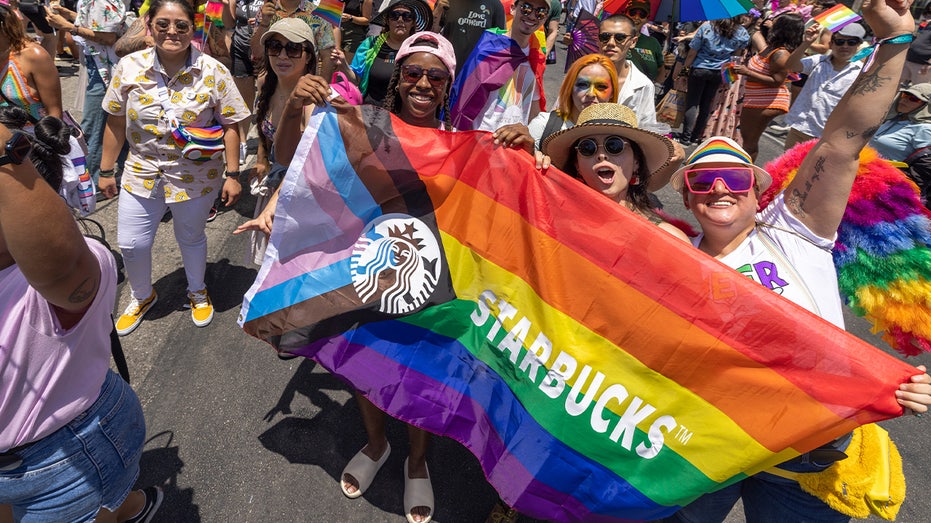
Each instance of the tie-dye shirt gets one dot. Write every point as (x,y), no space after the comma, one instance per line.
(202,94)
(514,101)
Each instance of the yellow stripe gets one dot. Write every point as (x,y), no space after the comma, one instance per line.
(718,447)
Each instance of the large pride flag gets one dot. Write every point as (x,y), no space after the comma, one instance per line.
(489,68)
(599,369)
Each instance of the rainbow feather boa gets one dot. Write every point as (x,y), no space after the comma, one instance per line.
(882,253)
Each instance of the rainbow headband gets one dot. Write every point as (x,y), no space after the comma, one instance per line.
(719,147)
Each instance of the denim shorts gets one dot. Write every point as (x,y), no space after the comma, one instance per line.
(91,462)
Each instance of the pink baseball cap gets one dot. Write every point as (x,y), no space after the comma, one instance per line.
(443,50)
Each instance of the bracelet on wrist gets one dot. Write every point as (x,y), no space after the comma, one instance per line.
(107,173)
(232,174)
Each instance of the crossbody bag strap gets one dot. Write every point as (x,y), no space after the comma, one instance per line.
(162,91)
(777,253)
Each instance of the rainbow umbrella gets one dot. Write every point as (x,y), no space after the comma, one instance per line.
(688,10)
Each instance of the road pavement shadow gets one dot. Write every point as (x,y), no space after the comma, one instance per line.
(461,492)
(161,465)
(226,282)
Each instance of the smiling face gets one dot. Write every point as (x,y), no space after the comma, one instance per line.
(721,208)
(421,97)
(529,16)
(172,29)
(846,48)
(593,85)
(609,174)
(622,37)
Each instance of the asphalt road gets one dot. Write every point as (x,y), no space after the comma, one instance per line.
(235,434)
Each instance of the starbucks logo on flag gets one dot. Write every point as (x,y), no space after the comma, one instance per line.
(396,263)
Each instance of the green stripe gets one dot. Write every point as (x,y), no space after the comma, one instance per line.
(874,271)
(658,478)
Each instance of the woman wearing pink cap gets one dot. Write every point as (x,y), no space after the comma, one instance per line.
(787,247)
(418,92)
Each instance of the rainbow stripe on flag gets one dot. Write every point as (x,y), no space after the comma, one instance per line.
(599,369)
(331,11)
(489,67)
(835,18)
(214,13)
(728,75)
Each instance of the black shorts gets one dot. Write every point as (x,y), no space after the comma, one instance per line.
(35,12)
(241,57)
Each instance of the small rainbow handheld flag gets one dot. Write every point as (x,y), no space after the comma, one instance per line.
(331,11)
(727,73)
(214,13)
(599,369)
(835,18)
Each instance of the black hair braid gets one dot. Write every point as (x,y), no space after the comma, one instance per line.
(263,101)
(392,101)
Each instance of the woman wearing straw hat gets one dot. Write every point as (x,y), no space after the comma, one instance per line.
(607,151)
(787,247)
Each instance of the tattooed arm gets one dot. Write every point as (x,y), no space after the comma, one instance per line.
(135,39)
(818,194)
(39,235)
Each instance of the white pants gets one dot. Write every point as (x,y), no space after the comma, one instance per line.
(137,224)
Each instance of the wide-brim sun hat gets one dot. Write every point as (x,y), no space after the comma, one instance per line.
(443,50)
(423,16)
(719,151)
(293,29)
(614,119)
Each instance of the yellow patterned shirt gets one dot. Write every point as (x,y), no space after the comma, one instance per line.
(202,94)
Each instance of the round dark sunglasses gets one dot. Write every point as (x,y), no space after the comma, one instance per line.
(413,74)
(618,37)
(291,49)
(181,26)
(540,12)
(613,145)
(846,41)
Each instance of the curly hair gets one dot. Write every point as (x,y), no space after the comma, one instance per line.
(564,109)
(637,194)
(264,99)
(393,99)
(787,32)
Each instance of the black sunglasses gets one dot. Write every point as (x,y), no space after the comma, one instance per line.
(846,41)
(413,74)
(637,13)
(540,12)
(618,37)
(291,49)
(394,16)
(613,145)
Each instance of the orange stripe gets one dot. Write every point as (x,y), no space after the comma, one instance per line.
(490,228)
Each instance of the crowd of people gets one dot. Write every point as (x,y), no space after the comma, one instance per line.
(172,90)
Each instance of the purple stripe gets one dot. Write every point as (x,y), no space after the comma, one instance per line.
(465,420)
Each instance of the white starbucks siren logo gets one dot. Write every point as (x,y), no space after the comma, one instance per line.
(396,263)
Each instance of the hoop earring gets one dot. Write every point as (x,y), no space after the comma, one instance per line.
(635,180)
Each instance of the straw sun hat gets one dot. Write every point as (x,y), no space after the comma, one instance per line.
(614,119)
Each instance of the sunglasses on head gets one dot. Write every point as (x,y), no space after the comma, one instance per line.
(613,145)
(846,41)
(181,26)
(539,12)
(736,179)
(618,37)
(291,49)
(637,13)
(394,16)
(413,74)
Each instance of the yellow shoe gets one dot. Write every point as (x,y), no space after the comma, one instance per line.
(201,308)
(132,316)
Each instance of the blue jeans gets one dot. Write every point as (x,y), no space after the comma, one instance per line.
(770,500)
(89,463)
(94,119)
